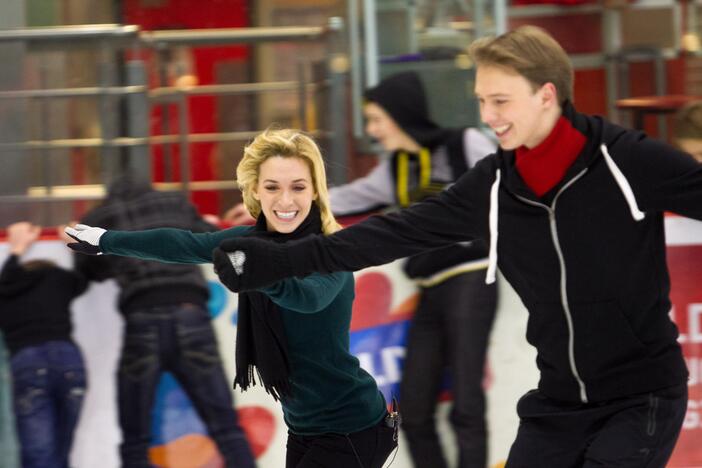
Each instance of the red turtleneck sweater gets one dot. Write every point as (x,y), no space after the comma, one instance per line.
(544,166)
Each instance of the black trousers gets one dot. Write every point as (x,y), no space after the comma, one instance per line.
(450,329)
(634,432)
(368,448)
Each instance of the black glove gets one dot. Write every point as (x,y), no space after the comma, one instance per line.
(88,238)
(247,263)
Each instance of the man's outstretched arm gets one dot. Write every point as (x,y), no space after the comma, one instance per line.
(456,215)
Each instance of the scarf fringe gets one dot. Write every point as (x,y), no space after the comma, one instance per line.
(277,389)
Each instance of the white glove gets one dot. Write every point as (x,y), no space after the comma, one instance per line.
(88,238)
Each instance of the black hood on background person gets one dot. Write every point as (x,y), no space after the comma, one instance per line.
(403,97)
(127,187)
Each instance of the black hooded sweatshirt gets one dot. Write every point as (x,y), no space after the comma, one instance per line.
(588,259)
(34,304)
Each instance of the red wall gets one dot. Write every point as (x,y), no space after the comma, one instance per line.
(187,14)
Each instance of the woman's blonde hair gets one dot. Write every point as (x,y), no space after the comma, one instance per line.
(532,53)
(286,143)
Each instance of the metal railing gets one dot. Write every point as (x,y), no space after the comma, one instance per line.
(140,99)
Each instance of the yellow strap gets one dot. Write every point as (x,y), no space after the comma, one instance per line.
(403,179)
(424,168)
(403,196)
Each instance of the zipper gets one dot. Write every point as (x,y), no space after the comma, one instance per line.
(564,294)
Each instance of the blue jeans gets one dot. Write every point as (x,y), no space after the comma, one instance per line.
(49,386)
(178,339)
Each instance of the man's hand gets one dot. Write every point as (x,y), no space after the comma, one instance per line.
(238,214)
(88,238)
(247,263)
(21,236)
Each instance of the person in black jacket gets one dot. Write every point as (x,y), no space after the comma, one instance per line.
(167,325)
(48,372)
(572,208)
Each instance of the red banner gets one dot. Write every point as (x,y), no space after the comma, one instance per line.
(685,265)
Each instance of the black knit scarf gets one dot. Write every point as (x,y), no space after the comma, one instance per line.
(261,341)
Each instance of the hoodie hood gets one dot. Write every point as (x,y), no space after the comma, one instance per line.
(403,97)
(127,187)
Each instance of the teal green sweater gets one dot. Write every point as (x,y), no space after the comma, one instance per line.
(330,391)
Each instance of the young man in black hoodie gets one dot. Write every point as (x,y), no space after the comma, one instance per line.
(573,207)
(47,366)
(167,325)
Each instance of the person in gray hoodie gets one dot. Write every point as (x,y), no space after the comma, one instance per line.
(456,308)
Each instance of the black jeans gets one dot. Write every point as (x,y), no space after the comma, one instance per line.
(634,432)
(368,448)
(179,339)
(450,329)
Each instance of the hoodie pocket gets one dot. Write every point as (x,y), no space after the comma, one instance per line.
(547,330)
(605,344)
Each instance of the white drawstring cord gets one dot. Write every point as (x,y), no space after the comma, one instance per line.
(492,220)
(624,186)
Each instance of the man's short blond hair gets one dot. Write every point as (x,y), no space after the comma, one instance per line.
(532,53)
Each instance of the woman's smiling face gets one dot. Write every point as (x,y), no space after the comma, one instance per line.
(285,191)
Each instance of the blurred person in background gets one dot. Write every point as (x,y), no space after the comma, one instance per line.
(294,335)
(687,129)
(48,372)
(167,325)
(452,323)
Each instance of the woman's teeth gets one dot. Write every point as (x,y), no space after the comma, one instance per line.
(286,214)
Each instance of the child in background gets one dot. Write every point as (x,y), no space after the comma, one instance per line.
(47,367)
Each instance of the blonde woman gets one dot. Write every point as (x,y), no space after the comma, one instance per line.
(294,334)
